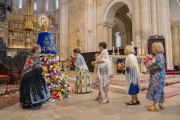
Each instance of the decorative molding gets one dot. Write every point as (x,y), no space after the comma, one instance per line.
(106,24)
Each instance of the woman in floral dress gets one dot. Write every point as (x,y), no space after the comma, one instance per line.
(155,90)
(33,88)
(83,79)
(102,72)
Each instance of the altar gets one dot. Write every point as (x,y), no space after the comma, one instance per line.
(114,58)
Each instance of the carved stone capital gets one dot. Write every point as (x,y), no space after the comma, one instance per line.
(175,23)
(130,15)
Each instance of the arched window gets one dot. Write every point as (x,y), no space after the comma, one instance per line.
(35,6)
(118,39)
(46,5)
(57,4)
(20,4)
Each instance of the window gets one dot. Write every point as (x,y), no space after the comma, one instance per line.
(57,4)
(118,39)
(35,6)
(20,4)
(46,5)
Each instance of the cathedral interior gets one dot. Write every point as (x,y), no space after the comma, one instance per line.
(84,24)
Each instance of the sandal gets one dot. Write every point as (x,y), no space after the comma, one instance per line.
(161,107)
(98,98)
(153,108)
(107,101)
(131,103)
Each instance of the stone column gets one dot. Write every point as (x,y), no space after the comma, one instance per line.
(144,5)
(106,35)
(90,26)
(176,52)
(110,38)
(169,39)
(154,17)
(64,29)
(95,43)
(137,24)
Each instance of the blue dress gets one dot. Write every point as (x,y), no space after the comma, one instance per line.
(155,91)
(133,89)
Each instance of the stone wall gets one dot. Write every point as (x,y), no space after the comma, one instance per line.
(76,25)
(174,8)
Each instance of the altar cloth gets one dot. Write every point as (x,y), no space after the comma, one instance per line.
(45,40)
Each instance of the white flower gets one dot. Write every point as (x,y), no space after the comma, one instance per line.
(62,89)
(65,85)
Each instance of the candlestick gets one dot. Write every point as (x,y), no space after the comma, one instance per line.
(117,50)
(139,52)
(113,49)
(143,51)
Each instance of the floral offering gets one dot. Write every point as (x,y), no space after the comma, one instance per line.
(73,59)
(148,60)
(120,65)
(56,80)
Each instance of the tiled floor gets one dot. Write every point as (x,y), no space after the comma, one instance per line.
(83,107)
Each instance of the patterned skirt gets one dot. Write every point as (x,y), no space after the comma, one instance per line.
(83,81)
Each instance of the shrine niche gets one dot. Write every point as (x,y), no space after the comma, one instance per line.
(78,40)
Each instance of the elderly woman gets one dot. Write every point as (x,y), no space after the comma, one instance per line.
(101,72)
(155,91)
(33,88)
(132,74)
(83,79)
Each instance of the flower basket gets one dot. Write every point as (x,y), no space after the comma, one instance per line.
(120,65)
(148,60)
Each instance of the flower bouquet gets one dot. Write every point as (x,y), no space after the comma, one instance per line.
(71,61)
(55,80)
(148,60)
(120,65)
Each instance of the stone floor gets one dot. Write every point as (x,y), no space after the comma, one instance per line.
(83,107)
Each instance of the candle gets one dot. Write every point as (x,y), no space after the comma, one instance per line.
(143,51)
(117,49)
(139,51)
(113,49)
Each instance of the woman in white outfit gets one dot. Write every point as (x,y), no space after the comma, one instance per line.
(132,74)
(101,72)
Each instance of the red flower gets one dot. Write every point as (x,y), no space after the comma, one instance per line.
(74,61)
(42,59)
(68,85)
(61,87)
(48,76)
(48,69)
(122,63)
(72,58)
(72,90)
(67,90)
(29,62)
(47,59)
(51,70)
(44,65)
(63,83)
(57,71)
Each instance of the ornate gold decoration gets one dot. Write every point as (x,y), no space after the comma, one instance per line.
(44,27)
(50,20)
(41,20)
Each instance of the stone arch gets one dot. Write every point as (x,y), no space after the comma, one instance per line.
(112,8)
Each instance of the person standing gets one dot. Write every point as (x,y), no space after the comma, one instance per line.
(155,91)
(33,88)
(132,74)
(102,72)
(83,79)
